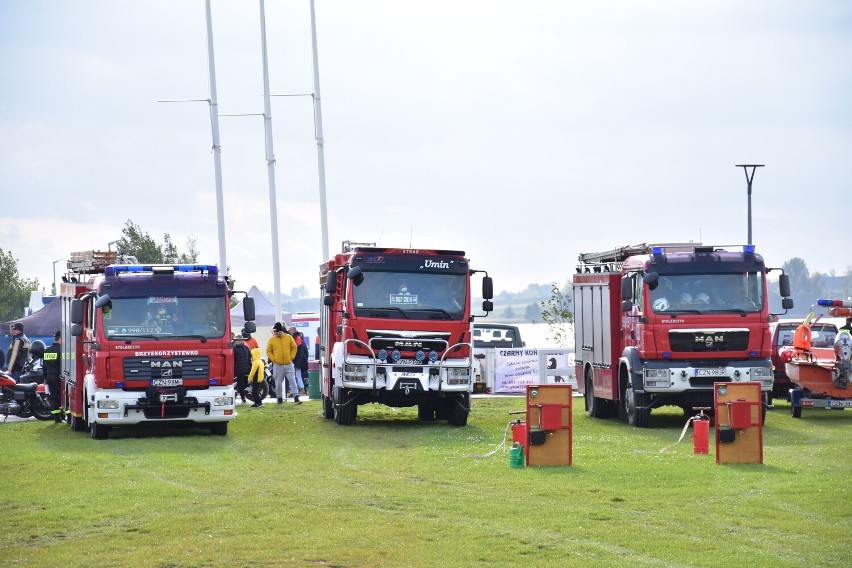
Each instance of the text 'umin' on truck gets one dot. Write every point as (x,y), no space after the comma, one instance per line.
(396,330)
(147,343)
(658,325)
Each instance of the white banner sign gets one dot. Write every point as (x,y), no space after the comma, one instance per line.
(514,369)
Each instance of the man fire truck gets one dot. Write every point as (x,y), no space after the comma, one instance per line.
(147,343)
(396,329)
(658,325)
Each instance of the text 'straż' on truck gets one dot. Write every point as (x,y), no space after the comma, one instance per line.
(658,325)
(396,330)
(147,343)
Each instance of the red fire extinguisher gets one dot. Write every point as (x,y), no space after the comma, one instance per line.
(701,432)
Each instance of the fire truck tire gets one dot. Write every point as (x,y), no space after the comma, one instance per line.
(327,408)
(426,412)
(597,407)
(459,410)
(344,414)
(76,424)
(636,416)
(219,429)
(99,431)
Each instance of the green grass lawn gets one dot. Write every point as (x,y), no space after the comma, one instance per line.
(287,487)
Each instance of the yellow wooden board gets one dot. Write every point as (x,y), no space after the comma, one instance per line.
(550,406)
(739,406)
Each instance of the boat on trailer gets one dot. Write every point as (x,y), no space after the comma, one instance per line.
(822,376)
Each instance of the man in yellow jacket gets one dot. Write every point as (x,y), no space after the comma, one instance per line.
(281,350)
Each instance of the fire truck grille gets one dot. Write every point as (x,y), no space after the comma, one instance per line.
(708,341)
(146,368)
(426,342)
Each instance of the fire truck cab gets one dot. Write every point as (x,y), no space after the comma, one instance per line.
(147,343)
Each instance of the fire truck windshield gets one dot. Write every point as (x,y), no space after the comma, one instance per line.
(411,295)
(708,293)
(163,317)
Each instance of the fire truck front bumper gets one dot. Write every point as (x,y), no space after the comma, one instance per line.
(118,407)
(450,379)
(681,376)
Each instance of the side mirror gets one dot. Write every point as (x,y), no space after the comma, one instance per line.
(248,309)
(627,288)
(328,300)
(784,285)
(102,301)
(487,290)
(331,283)
(626,306)
(77,329)
(651,280)
(487,306)
(787,303)
(77,313)
(355,275)
(250,327)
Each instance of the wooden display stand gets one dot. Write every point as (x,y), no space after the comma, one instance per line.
(549,425)
(739,427)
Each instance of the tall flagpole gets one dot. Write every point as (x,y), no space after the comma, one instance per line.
(217,148)
(319,138)
(270,167)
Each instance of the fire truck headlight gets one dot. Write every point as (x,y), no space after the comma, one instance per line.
(458,376)
(762,374)
(657,377)
(223,401)
(357,373)
(108,404)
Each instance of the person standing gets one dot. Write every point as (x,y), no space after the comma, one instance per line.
(301,360)
(255,377)
(242,364)
(317,345)
(19,350)
(281,350)
(53,375)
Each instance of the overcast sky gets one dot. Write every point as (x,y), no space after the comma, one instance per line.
(523,133)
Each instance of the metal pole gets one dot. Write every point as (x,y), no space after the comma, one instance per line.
(54,276)
(748,181)
(217,148)
(319,138)
(270,167)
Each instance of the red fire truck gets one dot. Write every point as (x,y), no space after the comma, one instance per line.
(146,343)
(396,329)
(658,325)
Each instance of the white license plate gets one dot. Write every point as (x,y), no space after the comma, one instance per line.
(166,382)
(711,373)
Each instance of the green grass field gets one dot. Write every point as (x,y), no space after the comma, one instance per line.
(287,487)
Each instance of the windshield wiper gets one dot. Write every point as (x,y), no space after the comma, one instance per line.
(383,311)
(203,338)
(126,337)
(444,313)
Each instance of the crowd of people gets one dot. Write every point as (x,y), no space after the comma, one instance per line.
(286,353)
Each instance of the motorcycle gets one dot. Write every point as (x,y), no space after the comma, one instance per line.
(23,399)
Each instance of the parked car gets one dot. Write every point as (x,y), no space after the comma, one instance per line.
(822,335)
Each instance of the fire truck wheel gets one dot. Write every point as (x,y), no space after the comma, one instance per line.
(327,408)
(459,410)
(426,412)
(597,407)
(219,428)
(76,424)
(99,431)
(636,416)
(344,414)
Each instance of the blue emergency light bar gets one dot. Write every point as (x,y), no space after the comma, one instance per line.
(835,303)
(657,250)
(116,269)
(748,249)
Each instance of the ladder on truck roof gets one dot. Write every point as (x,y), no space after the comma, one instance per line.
(617,256)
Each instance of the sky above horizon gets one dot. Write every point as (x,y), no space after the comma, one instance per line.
(522,133)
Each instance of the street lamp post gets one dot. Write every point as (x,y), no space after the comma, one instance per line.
(54,276)
(748,181)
